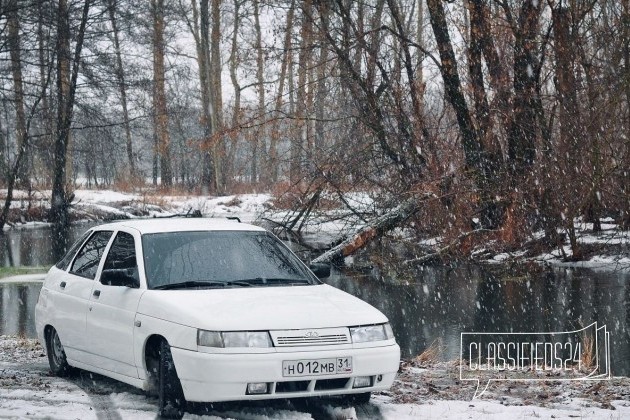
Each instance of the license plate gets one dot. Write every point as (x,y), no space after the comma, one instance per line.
(310,367)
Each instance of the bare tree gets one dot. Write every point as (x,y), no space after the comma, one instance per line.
(67,73)
(159,94)
(120,77)
(258,139)
(285,60)
(300,140)
(625,193)
(234,63)
(21,133)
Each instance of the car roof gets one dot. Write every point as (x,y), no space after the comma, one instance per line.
(160,225)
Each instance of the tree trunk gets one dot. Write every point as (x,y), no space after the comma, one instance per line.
(569,160)
(66,88)
(374,229)
(475,156)
(416,130)
(122,87)
(492,157)
(21,135)
(273,163)
(63,87)
(209,63)
(46,145)
(625,174)
(234,61)
(480,99)
(201,34)
(18,89)
(524,128)
(159,94)
(452,85)
(320,98)
(259,137)
(218,148)
(374,42)
(300,139)
(499,75)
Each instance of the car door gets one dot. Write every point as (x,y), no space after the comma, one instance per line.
(112,310)
(70,294)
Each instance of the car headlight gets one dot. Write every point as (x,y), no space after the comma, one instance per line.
(233,339)
(367,333)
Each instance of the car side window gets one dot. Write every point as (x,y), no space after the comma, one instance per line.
(122,254)
(87,260)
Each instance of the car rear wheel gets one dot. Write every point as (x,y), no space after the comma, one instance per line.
(172,403)
(56,354)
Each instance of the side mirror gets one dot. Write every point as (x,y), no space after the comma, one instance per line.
(126,277)
(321,270)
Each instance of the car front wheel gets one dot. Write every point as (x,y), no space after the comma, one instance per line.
(56,354)
(172,403)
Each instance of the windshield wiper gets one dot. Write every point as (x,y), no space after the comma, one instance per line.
(275,281)
(200,284)
(256,281)
(238,283)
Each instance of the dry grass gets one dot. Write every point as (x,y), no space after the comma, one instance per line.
(588,352)
(431,354)
(154,198)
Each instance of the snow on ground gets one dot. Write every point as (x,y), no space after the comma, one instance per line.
(248,207)
(28,391)
(493,410)
(608,249)
(245,206)
(110,205)
(104,196)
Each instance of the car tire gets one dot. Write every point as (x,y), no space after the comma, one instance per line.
(56,354)
(358,399)
(172,403)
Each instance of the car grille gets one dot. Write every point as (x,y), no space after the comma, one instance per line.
(315,337)
(319,385)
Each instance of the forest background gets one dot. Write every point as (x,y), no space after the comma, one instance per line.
(474,120)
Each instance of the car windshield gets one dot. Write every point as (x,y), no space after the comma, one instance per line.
(206,259)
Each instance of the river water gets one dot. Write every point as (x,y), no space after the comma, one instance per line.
(435,306)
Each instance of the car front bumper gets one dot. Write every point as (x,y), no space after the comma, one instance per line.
(212,377)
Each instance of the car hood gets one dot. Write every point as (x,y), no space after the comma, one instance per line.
(260,308)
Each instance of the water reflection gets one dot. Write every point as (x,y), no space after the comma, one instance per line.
(17,308)
(439,304)
(443,302)
(34,246)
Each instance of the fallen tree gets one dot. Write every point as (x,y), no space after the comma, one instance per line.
(374,229)
(446,248)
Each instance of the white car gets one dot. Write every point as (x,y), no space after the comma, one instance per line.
(200,310)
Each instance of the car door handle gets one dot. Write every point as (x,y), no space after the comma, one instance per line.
(62,284)
(96,293)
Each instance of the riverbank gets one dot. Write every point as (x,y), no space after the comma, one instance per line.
(16,274)
(422,390)
(608,248)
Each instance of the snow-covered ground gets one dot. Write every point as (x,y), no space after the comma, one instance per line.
(28,391)
(608,249)
(245,206)
(109,204)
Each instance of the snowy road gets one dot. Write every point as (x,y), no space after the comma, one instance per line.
(35,394)
(28,391)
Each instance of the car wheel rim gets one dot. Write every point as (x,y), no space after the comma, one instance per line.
(57,349)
